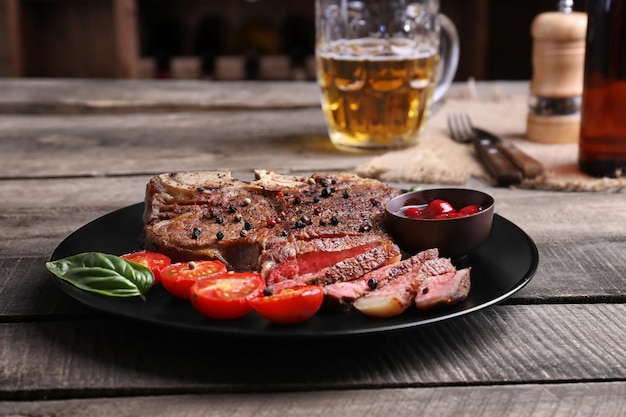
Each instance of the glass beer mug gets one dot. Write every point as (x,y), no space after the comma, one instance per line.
(381,64)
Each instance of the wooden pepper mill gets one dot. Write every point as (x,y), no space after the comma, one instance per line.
(556,87)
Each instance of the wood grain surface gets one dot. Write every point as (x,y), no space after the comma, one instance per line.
(108,357)
(541,400)
(72,151)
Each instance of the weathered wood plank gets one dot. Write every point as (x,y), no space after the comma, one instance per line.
(28,293)
(107,145)
(94,193)
(280,133)
(501,345)
(49,96)
(607,399)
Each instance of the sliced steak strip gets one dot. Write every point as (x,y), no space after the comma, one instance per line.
(399,294)
(341,295)
(373,256)
(283,258)
(443,290)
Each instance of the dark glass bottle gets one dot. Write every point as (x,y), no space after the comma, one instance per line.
(602,146)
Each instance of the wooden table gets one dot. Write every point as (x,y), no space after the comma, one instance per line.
(72,151)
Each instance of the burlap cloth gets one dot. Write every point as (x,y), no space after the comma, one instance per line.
(437,159)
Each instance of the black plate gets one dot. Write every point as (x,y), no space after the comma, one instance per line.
(501,266)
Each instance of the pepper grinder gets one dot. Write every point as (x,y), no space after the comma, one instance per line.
(558,57)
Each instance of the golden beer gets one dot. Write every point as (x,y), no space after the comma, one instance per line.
(375,94)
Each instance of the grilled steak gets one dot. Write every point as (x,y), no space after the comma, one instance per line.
(322,229)
(341,295)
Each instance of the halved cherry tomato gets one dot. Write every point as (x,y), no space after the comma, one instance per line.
(226,295)
(153,260)
(290,305)
(471,209)
(412,212)
(179,277)
(438,207)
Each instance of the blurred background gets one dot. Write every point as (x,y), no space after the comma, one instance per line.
(228,39)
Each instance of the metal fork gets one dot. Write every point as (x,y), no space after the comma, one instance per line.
(504,161)
(460,127)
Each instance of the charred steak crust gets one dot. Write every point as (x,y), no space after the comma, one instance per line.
(277,224)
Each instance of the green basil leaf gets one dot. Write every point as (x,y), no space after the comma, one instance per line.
(104,274)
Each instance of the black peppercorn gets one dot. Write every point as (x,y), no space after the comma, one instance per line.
(326,192)
(316,199)
(219,220)
(196,233)
(300,224)
(334,221)
(219,235)
(267,291)
(247,225)
(372,283)
(232,209)
(284,233)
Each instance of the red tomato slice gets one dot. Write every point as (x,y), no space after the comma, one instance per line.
(225,296)
(290,305)
(153,260)
(179,277)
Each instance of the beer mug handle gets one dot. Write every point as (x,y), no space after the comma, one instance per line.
(449,57)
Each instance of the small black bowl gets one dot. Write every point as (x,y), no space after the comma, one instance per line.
(454,237)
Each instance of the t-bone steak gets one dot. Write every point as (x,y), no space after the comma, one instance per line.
(321,229)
